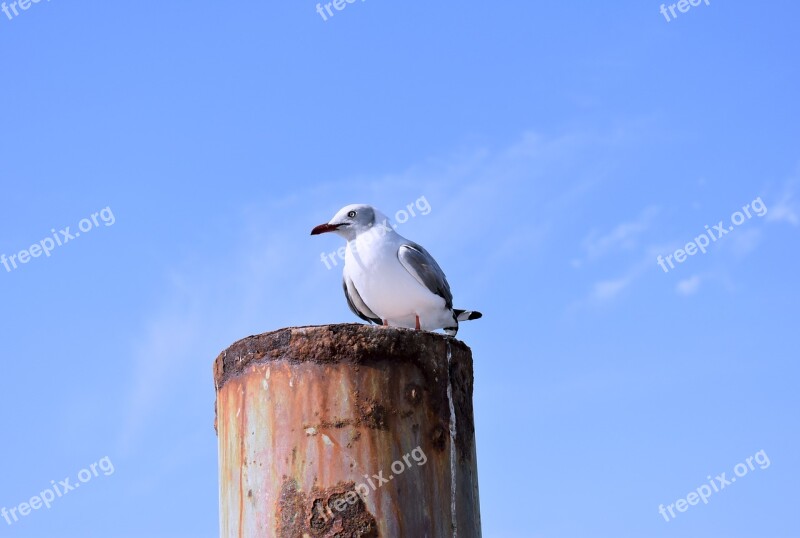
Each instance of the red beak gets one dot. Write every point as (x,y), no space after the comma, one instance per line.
(323,228)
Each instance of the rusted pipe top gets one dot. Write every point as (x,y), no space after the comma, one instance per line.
(342,343)
(444,362)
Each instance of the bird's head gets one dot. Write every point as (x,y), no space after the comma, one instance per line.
(349,222)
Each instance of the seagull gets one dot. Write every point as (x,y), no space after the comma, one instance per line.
(390,280)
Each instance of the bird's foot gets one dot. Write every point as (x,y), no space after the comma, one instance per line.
(417,323)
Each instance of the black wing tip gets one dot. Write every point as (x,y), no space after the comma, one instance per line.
(470,314)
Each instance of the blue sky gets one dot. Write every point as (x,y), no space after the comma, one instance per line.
(561,148)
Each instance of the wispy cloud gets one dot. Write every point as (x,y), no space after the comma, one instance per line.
(786,208)
(688,286)
(744,241)
(628,236)
(624,236)
(168,343)
(606,290)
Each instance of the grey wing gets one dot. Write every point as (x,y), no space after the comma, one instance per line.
(424,268)
(356,303)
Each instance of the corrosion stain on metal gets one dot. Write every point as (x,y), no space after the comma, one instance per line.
(364,345)
(371,414)
(242,459)
(317,514)
(413,394)
(342,403)
(439,437)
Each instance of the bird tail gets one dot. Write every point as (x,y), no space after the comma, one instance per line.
(465,315)
(461,315)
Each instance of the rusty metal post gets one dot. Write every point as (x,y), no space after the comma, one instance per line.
(347,431)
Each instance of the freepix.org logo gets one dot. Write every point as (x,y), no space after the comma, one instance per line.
(58,239)
(720,482)
(362,491)
(325,11)
(57,490)
(13,9)
(713,234)
(683,6)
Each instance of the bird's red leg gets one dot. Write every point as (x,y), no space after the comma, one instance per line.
(385,323)
(416,316)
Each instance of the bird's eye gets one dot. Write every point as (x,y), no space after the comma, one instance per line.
(352,214)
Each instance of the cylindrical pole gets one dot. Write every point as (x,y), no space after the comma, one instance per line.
(347,431)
